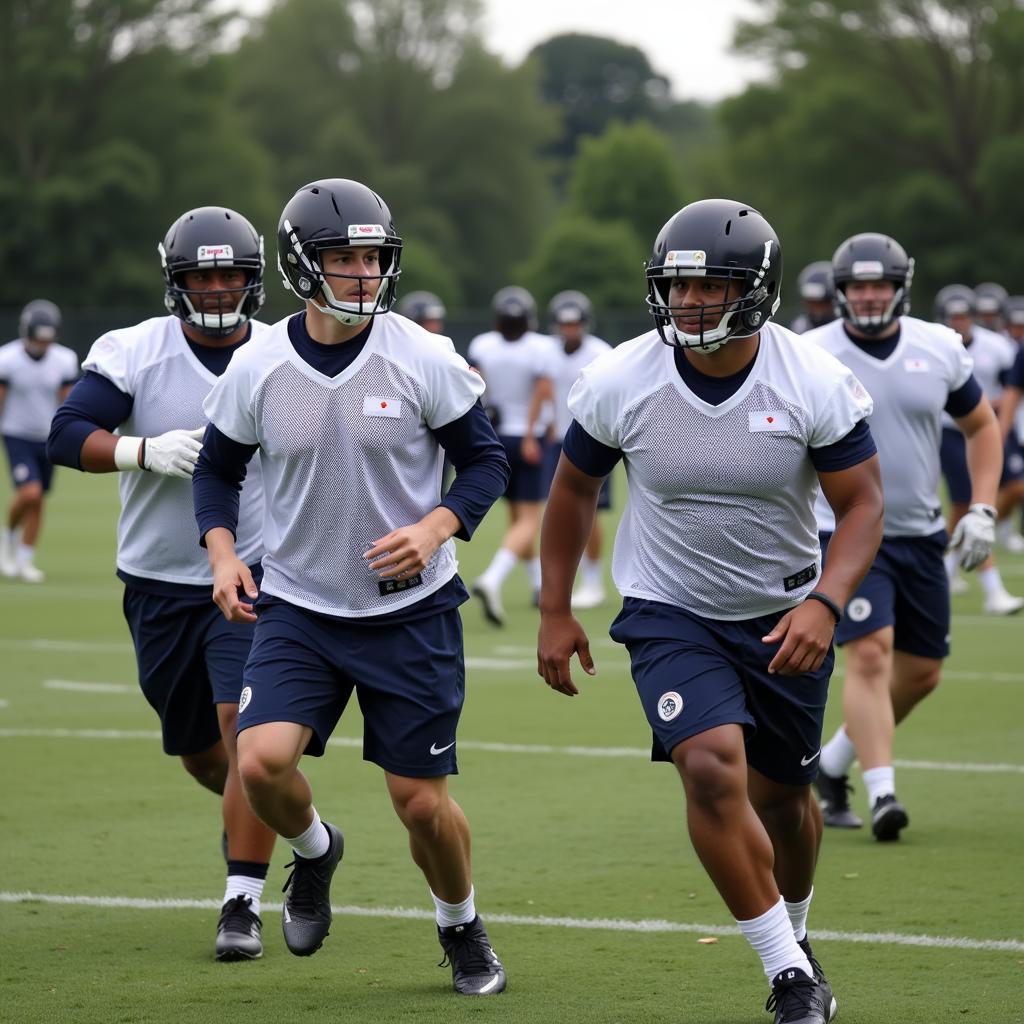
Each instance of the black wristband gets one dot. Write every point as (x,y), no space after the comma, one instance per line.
(817,595)
(142,454)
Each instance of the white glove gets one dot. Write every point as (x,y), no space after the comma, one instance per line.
(172,454)
(974,536)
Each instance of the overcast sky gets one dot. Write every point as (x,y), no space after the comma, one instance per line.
(684,40)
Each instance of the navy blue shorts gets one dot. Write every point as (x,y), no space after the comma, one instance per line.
(409,679)
(906,588)
(28,462)
(190,659)
(1013,461)
(527,481)
(552,453)
(693,674)
(953,459)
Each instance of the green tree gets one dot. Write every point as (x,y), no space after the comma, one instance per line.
(628,174)
(603,258)
(118,119)
(900,116)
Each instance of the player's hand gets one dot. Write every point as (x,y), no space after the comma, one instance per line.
(974,536)
(560,637)
(231,578)
(404,552)
(531,451)
(174,453)
(805,635)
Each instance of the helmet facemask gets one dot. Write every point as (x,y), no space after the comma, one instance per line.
(313,281)
(718,323)
(873,324)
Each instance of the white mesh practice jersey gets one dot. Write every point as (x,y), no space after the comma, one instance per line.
(910,390)
(157,536)
(346,459)
(992,354)
(511,369)
(565,368)
(33,386)
(720,516)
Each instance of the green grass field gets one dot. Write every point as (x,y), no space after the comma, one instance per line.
(578,841)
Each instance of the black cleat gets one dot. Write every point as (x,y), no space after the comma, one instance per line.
(819,974)
(797,999)
(834,792)
(306,917)
(888,818)
(490,598)
(239,931)
(476,969)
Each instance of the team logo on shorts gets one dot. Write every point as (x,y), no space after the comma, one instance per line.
(669,706)
(20,472)
(244,699)
(858,609)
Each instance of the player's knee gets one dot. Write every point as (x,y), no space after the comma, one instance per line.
(871,659)
(420,808)
(31,494)
(783,813)
(209,769)
(710,774)
(261,771)
(925,682)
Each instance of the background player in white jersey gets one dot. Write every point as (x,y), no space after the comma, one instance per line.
(36,374)
(571,316)
(816,294)
(425,309)
(138,410)
(726,424)
(991,304)
(992,355)
(896,628)
(516,363)
(350,406)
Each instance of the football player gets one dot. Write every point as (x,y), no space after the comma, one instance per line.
(349,406)
(571,317)
(728,425)
(36,374)
(516,362)
(817,293)
(896,626)
(993,354)
(991,301)
(425,309)
(138,411)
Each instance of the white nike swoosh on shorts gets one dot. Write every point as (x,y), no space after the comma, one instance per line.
(805,761)
(435,749)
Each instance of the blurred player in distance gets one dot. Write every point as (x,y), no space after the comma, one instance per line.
(36,374)
(991,299)
(728,425)
(516,363)
(817,294)
(425,309)
(895,631)
(571,319)
(138,411)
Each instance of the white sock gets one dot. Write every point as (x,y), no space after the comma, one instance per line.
(503,562)
(952,560)
(591,570)
(990,580)
(25,554)
(771,935)
(314,842)
(880,782)
(11,539)
(244,885)
(838,754)
(533,571)
(798,916)
(450,914)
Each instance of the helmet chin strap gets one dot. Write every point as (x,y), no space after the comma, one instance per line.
(684,341)
(346,312)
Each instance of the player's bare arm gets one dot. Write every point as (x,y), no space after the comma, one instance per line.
(408,550)
(568,521)
(230,575)
(984,451)
(1007,409)
(543,393)
(855,495)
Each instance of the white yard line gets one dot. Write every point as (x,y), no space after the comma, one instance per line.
(536,921)
(493,748)
(76,687)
